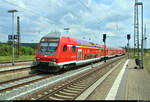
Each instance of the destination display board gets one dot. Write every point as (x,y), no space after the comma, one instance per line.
(50,40)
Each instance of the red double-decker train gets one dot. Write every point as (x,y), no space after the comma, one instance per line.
(56,52)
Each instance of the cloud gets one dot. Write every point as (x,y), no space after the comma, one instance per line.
(85,18)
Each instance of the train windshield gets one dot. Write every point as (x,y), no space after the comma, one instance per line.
(48,48)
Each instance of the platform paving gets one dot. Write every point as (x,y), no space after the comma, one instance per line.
(135,84)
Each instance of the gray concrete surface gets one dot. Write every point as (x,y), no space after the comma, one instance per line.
(137,83)
(103,89)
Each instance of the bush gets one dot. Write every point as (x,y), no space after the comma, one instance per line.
(6,50)
(148,52)
(27,50)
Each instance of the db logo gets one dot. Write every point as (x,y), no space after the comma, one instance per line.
(45,56)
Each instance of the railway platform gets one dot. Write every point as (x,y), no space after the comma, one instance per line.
(134,85)
(124,83)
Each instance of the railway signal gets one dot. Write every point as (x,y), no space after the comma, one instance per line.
(128,37)
(18,34)
(104,40)
(104,37)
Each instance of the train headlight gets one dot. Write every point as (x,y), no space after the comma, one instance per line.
(37,58)
(53,60)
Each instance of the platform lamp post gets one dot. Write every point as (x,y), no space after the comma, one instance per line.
(142,52)
(12,11)
(104,40)
(67,30)
(128,37)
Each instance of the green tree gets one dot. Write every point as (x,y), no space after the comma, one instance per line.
(34,46)
(148,52)
(9,42)
(5,50)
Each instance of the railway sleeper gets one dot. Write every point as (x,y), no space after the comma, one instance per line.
(75,89)
(54,98)
(79,87)
(63,96)
(71,91)
(67,93)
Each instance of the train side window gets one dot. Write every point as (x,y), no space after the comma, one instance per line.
(82,43)
(90,55)
(96,55)
(102,50)
(85,56)
(73,49)
(79,43)
(65,48)
(93,56)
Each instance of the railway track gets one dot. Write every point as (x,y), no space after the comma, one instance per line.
(17,63)
(17,79)
(9,85)
(71,88)
(13,70)
(19,82)
(14,85)
(8,72)
(15,73)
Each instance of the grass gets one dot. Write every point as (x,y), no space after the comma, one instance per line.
(147,62)
(133,57)
(9,58)
(136,56)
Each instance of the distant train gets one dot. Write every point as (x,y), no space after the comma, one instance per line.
(57,52)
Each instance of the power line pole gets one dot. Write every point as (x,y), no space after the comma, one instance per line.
(18,32)
(12,11)
(67,30)
(136,28)
(142,52)
(145,38)
(135,12)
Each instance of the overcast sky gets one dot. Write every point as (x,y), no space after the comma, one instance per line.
(85,18)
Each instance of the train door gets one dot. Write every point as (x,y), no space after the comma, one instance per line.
(99,52)
(79,54)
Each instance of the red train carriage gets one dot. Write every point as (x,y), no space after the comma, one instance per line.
(56,52)
(60,52)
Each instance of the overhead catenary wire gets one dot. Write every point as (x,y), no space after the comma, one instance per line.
(99,21)
(33,11)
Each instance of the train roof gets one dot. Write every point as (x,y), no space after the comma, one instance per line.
(80,42)
(52,35)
